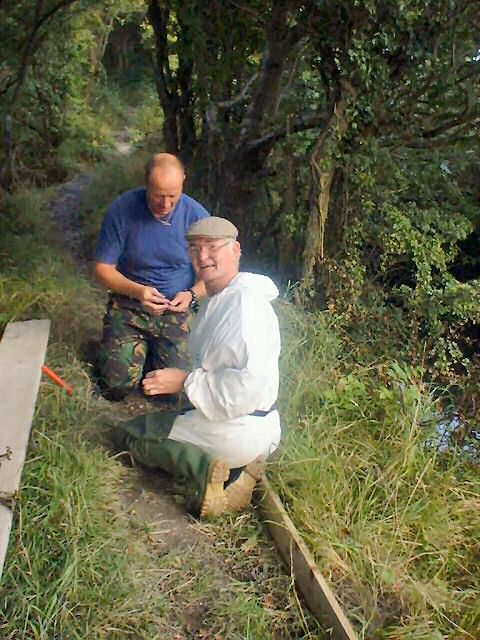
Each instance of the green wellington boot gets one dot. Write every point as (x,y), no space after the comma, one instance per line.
(146,437)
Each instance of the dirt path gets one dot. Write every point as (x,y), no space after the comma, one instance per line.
(65,212)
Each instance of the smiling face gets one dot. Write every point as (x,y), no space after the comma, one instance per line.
(215,261)
(164,188)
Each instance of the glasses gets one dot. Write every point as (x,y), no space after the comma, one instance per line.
(212,249)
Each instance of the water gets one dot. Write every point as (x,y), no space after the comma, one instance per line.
(450,433)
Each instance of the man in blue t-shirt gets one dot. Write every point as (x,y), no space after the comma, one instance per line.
(142,258)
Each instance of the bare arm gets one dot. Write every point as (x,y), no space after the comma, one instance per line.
(152,300)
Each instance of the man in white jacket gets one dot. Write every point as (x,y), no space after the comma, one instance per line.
(232,426)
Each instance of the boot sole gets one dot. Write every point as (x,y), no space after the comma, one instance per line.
(214,501)
(239,493)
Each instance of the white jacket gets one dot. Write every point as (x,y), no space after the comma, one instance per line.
(235,345)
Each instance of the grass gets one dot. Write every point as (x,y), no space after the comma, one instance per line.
(79,564)
(73,557)
(390,519)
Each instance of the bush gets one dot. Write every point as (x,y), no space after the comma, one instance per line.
(395,281)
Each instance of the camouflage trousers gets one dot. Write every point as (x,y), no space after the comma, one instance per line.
(135,342)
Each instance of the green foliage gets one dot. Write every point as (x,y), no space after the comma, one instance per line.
(387,514)
(90,131)
(37,82)
(53,113)
(408,218)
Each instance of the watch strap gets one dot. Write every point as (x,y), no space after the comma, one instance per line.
(194,302)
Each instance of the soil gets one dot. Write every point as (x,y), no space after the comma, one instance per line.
(236,554)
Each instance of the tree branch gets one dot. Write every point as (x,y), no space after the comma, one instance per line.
(158,19)
(280,40)
(303,122)
(32,43)
(247,9)
(228,104)
(212,111)
(458,136)
(303,42)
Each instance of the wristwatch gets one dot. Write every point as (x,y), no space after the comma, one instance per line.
(194,302)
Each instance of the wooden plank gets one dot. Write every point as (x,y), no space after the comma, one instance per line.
(22,352)
(310,582)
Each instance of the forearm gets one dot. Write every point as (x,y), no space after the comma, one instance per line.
(199,288)
(111,278)
(183,299)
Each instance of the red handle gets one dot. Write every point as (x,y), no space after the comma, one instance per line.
(61,383)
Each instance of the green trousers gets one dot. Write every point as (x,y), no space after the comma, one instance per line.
(146,438)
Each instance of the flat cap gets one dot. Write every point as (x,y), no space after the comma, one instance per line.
(212,227)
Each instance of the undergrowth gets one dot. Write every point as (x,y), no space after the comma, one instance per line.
(390,516)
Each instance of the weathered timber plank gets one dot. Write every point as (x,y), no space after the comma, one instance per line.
(22,352)
(310,582)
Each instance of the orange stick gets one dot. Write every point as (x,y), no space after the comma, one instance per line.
(61,383)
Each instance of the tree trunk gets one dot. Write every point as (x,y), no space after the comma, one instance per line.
(287,251)
(325,226)
(174,88)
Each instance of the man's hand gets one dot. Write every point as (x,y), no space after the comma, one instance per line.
(181,302)
(153,301)
(168,380)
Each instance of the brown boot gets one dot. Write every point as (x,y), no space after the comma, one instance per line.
(239,493)
(214,501)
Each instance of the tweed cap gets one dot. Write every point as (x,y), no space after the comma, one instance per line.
(212,227)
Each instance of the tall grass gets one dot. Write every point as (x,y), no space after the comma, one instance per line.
(78,564)
(73,565)
(391,520)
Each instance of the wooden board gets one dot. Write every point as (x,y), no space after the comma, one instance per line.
(310,582)
(22,352)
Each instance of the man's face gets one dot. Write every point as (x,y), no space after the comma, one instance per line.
(164,189)
(215,260)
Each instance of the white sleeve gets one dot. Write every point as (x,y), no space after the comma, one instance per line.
(245,356)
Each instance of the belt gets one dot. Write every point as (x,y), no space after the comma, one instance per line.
(261,414)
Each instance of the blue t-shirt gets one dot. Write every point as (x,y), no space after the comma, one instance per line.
(144,249)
